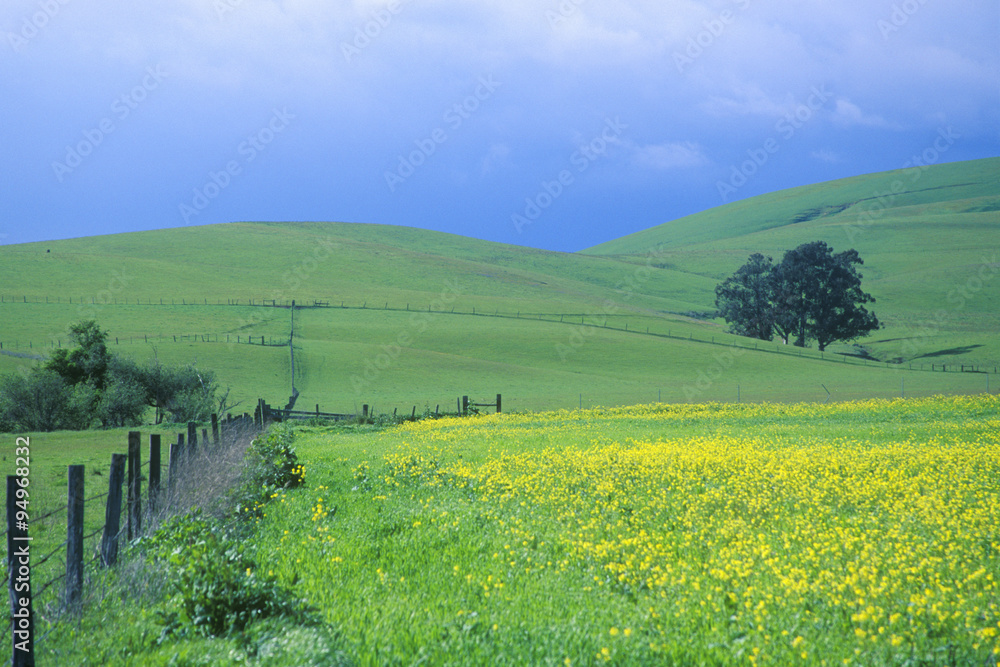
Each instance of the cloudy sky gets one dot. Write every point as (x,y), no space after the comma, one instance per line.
(549,124)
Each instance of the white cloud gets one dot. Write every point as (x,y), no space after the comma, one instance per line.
(846,113)
(669,155)
(825,155)
(496,157)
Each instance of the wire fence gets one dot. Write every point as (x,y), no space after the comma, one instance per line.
(194,474)
(16,348)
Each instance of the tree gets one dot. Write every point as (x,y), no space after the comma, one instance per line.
(821,296)
(88,362)
(86,383)
(812,293)
(745,299)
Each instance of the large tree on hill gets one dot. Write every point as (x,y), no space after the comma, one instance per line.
(745,299)
(812,294)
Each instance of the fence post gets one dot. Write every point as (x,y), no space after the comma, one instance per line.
(215,429)
(74,538)
(465,405)
(498,404)
(133,519)
(113,511)
(154,470)
(173,464)
(22,652)
(192,436)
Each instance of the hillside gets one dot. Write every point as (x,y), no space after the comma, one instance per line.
(930,240)
(412,317)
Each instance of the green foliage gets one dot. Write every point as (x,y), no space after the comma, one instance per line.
(87,383)
(89,361)
(122,404)
(745,299)
(822,292)
(36,402)
(812,293)
(215,587)
(270,464)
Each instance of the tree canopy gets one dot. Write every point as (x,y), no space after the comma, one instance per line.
(812,294)
(86,383)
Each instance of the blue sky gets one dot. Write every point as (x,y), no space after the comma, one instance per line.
(550,124)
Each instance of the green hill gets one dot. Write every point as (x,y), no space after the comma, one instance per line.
(398,317)
(930,240)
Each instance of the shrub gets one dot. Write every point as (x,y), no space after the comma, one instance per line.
(35,402)
(214,586)
(270,464)
(122,404)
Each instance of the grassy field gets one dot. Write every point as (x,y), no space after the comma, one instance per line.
(412,331)
(930,240)
(853,533)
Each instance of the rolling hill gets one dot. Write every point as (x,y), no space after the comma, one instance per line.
(399,317)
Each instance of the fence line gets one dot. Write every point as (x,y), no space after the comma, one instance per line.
(184,461)
(7,347)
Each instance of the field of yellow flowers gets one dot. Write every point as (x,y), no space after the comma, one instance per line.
(845,534)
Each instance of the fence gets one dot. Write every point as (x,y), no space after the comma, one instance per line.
(576,319)
(183,488)
(267,413)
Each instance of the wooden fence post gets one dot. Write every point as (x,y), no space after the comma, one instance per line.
(133,518)
(154,470)
(74,539)
(465,405)
(113,511)
(192,436)
(173,465)
(498,404)
(215,429)
(22,615)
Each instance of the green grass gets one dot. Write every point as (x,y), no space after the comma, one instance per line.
(930,260)
(930,242)
(498,540)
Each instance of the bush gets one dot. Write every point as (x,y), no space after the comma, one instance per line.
(270,464)
(214,586)
(35,402)
(122,404)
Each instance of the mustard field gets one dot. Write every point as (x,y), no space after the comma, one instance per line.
(845,534)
